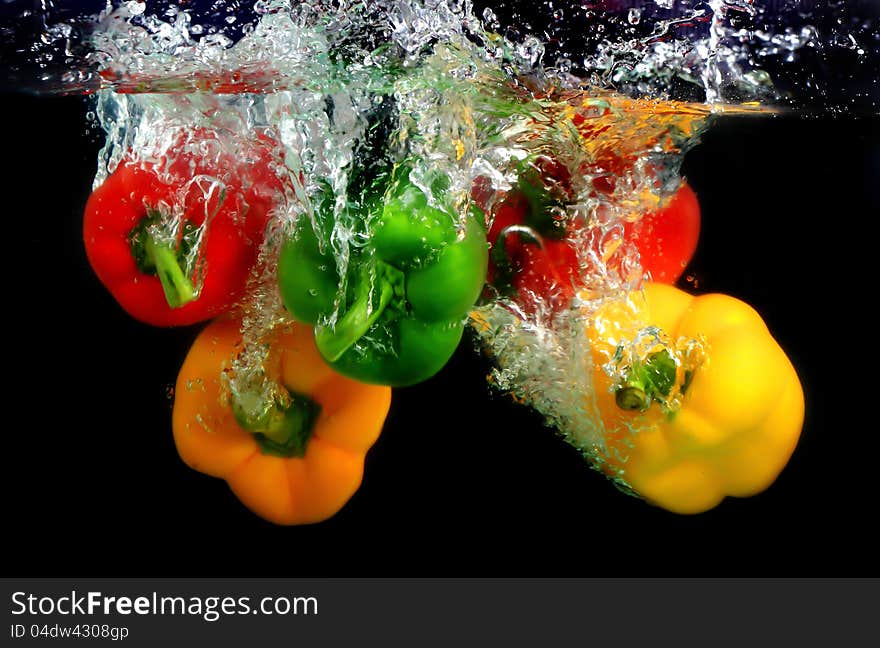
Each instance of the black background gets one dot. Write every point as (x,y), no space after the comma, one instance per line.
(462,482)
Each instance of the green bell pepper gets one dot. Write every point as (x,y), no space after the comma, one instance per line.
(407,291)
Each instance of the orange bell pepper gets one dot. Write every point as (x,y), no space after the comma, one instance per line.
(300,458)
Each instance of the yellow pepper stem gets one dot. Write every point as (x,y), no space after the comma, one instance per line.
(647,381)
(631,398)
(280,429)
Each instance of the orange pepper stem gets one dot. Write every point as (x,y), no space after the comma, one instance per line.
(281,429)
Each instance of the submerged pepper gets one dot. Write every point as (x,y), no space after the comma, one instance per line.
(407,290)
(296,458)
(741,408)
(175,240)
(534,257)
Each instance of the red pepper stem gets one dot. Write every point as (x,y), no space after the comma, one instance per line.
(334,341)
(526,233)
(178,288)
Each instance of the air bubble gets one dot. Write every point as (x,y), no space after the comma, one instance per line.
(135,7)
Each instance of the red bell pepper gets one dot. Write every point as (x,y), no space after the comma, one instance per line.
(176,241)
(534,260)
(547,273)
(667,238)
(523,263)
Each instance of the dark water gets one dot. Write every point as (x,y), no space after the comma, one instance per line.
(461,482)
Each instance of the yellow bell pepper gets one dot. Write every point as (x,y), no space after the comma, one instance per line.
(685,429)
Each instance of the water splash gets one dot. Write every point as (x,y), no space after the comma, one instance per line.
(613,93)
(802,53)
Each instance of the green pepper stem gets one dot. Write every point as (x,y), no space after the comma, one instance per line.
(333,341)
(280,429)
(178,288)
